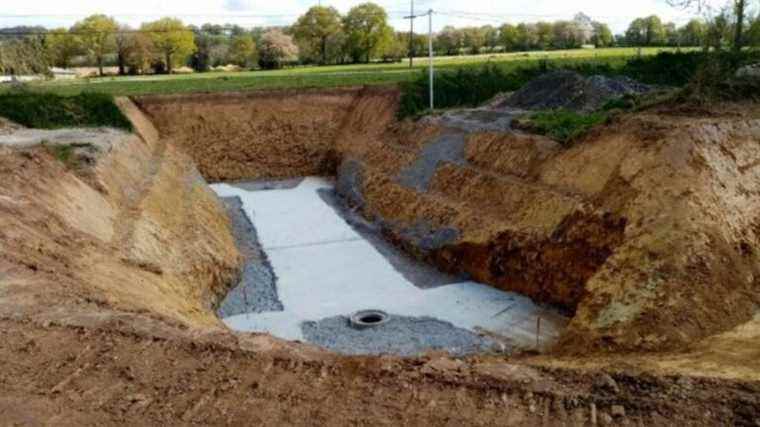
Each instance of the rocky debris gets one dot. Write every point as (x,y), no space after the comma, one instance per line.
(401,335)
(572,91)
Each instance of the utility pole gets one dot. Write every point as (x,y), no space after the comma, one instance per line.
(430,52)
(411,19)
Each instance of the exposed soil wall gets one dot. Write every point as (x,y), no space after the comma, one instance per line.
(138,230)
(646,230)
(277,134)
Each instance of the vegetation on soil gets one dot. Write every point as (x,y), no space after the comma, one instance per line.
(50,111)
(565,126)
(62,152)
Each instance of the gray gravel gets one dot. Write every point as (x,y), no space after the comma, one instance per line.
(263,185)
(572,91)
(349,182)
(257,290)
(447,148)
(404,336)
(422,275)
(476,119)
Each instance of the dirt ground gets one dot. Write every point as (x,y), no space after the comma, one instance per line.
(109,275)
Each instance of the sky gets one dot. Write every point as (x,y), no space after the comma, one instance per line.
(249,13)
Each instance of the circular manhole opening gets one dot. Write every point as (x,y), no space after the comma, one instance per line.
(368,318)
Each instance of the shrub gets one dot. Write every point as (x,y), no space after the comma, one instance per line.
(562,125)
(49,111)
(463,87)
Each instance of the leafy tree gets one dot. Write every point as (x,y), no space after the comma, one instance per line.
(568,35)
(670,34)
(61,47)
(753,35)
(172,40)
(211,47)
(123,40)
(449,41)
(585,27)
(474,39)
(96,36)
(545,32)
(315,30)
(693,33)
(527,36)
(141,54)
(655,31)
(491,36)
(23,56)
(739,8)
(242,50)
(508,37)
(602,35)
(396,49)
(276,49)
(635,35)
(647,31)
(717,32)
(368,31)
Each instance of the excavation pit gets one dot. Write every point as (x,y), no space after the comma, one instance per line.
(310,260)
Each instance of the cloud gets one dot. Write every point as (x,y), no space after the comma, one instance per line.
(238,5)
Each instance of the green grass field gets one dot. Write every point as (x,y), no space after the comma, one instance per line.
(328,76)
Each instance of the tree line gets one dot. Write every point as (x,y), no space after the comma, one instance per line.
(324,36)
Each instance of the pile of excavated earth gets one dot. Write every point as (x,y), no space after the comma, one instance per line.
(115,263)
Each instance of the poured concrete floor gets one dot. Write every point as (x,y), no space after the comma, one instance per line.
(326,270)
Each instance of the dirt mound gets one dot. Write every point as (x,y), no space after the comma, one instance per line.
(572,91)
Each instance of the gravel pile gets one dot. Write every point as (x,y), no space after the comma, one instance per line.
(404,336)
(572,91)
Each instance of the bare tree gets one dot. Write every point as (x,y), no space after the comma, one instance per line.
(740,10)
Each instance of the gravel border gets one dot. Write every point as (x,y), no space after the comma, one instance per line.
(400,335)
(257,290)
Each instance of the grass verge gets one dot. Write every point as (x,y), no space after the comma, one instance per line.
(51,111)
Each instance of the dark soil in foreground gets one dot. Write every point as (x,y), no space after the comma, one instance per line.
(105,375)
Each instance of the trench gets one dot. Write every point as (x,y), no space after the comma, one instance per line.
(406,227)
(311,262)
